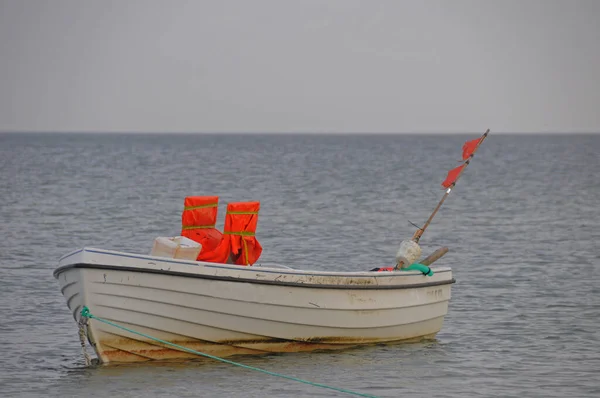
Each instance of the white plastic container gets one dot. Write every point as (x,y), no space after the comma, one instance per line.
(178,247)
(408,253)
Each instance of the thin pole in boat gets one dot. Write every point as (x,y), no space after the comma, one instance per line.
(420,231)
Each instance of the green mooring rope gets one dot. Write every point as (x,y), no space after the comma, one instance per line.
(85,312)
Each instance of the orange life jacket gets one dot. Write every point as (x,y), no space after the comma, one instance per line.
(238,244)
(198,221)
(380,269)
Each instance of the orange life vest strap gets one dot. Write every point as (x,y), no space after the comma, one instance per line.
(201,206)
(197,227)
(240,233)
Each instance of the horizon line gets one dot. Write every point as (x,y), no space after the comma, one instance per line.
(425,132)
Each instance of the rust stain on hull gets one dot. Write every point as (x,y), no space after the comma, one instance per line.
(136,351)
(128,350)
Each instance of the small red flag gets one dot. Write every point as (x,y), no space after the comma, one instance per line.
(451,177)
(469,147)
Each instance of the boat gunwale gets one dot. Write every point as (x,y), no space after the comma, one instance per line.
(257,268)
(223,278)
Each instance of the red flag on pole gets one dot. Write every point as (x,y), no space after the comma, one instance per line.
(469,147)
(451,177)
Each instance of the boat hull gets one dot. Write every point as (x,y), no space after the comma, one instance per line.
(227,310)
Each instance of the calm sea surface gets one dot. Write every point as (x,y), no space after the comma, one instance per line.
(523,227)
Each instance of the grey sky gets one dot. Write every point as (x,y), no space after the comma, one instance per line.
(302,66)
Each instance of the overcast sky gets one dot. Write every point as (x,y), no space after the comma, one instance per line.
(300,66)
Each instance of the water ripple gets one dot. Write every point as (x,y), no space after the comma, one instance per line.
(522,226)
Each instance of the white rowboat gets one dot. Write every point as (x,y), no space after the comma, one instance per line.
(223,310)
